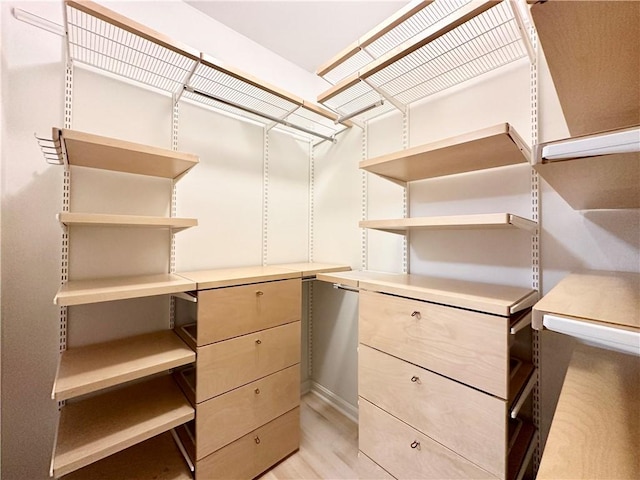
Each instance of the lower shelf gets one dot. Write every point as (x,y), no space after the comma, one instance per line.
(92,429)
(158,458)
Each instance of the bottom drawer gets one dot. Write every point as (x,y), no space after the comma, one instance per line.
(254,453)
(405,452)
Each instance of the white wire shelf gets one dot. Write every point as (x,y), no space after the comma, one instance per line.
(103,39)
(444,43)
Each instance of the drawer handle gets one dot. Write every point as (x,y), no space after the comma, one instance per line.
(415,444)
(415,379)
(258,342)
(257,440)
(259,293)
(257,391)
(416,314)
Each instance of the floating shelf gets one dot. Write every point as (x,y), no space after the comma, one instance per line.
(108,220)
(424,49)
(158,458)
(93,429)
(491,147)
(78,292)
(457,222)
(227,277)
(310,270)
(599,171)
(95,367)
(94,151)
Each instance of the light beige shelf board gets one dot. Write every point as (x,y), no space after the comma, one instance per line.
(92,429)
(596,426)
(592,53)
(226,277)
(94,367)
(78,292)
(158,458)
(311,269)
(491,147)
(501,300)
(451,222)
(95,151)
(352,278)
(108,220)
(611,298)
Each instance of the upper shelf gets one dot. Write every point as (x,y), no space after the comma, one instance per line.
(477,221)
(599,171)
(228,277)
(495,146)
(425,48)
(109,220)
(94,151)
(103,39)
(592,50)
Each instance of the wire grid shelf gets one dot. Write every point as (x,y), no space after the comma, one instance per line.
(484,43)
(412,26)
(108,47)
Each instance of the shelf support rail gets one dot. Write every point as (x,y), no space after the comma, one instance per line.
(399,105)
(259,114)
(519,11)
(524,394)
(185,83)
(51,149)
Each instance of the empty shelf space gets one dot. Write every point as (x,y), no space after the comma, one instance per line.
(520,376)
(92,429)
(521,451)
(94,151)
(478,221)
(491,147)
(78,292)
(94,367)
(158,458)
(108,220)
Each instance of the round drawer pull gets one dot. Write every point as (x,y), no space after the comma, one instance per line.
(257,440)
(258,342)
(257,390)
(416,314)
(415,379)
(259,293)
(415,444)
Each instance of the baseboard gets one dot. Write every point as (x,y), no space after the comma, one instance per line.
(335,401)
(305,387)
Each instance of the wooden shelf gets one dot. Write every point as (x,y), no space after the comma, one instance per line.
(94,151)
(491,147)
(93,429)
(590,181)
(78,292)
(307,269)
(94,367)
(352,279)
(108,220)
(158,458)
(518,381)
(227,277)
(596,426)
(593,60)
(452,222)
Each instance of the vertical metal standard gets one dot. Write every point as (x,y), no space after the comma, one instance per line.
(364,254)
(312,180)
(265,194)
(406,239)
(175,116)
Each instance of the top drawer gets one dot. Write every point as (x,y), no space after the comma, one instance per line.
(468,346)
(233,311)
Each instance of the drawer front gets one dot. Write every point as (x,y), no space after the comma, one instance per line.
(233,311)
(406,453)
(226,365)
(255,452)
(227,417)
(471,423)
(370,470)
(467,346)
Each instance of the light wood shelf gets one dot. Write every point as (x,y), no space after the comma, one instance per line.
(491,147)
(311,269)
(95,151)
(352,279)
(95,428)
(452,222)
(78,292)
(596,426)
(158,458)
(518,381)
(108,220)
(227,277)
(95,367)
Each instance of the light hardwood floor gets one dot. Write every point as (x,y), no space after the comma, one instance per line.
(328,445)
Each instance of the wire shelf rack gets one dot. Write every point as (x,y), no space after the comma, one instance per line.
(459,40)
(102,39)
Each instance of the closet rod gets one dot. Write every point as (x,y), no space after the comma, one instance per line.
(355,113)
(259,114)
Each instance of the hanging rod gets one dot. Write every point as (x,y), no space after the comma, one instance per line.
(259,114)
(355,113)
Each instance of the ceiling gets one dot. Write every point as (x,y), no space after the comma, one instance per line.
(307,33)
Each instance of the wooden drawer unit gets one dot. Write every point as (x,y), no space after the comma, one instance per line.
(404,452)
(468,346)
(233,311)
(228,417)
(226,365)
(255,452)
(459,417)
